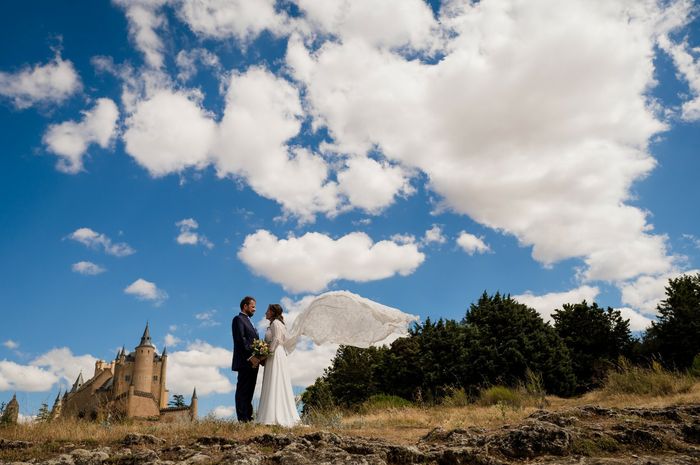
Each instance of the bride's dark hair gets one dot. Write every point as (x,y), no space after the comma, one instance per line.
(276,312)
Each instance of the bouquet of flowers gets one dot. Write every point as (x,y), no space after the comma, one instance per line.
(260,352)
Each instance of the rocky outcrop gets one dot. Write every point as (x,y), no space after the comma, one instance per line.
(583,436)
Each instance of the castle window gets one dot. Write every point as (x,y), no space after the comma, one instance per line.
(127,378)
(155,378)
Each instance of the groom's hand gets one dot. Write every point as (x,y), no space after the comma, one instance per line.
(255,361)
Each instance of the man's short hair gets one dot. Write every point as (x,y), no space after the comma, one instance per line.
(246,301)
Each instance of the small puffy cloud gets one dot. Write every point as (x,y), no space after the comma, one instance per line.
(200,366)
(70,140)
(189,235)
(65,365)
(472,244)
(309,361)
(10,344)
(644,293)
(370,185)
(187,62)
(52,82)
(207,318)
(638,322)
(222,19)
(16,377)
(146,290)
(434,235)
(354,257)
(546,304)
(223,411)
(95,240)
(171,340)
(168,133)
(145,17)
(87,268)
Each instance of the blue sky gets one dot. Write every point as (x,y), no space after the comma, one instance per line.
(164,158)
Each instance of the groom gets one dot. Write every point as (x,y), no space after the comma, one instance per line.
(244,333)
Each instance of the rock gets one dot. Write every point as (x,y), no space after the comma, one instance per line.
(277,441)
(133,439)
(197,459)
(86,457)
(215,440)
(404,455)
(7,444)
(691,432)
(534,439)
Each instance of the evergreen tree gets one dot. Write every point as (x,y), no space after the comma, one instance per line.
(44,414)
(178,400)
(509,338)
(675,337)
(595,337)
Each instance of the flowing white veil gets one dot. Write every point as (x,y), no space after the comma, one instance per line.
(341,317)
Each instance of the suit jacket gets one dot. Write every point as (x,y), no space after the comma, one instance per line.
(244,333)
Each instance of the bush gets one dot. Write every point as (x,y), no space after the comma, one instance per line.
(383,402)
(695,367)
(653,381)
(501,395)
(456,397)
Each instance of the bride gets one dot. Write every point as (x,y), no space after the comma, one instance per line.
(277,406)
(338,317)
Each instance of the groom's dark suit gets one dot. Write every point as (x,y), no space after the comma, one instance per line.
(244,333)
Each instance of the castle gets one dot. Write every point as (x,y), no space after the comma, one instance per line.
(131,386)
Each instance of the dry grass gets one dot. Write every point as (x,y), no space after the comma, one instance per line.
(401,425)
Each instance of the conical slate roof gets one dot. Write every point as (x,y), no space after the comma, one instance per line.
(146,338)
(78,382)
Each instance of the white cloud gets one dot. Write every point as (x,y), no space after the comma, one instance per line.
(15,377)
(308,361)
(207,318)
(145,17)
(87,268)
(434,235)
(224,411)
(189,235)
(70,140)
(644,293)
(547,303)
(262,114)
(684,56)
(637,321)
(95,240)
(223,19)
(187,62)
(472,244)
(354,257)
(545,140)
(146,290)
(63,364)
(371,185)
(10,344)
(199,366)
(390,23)
(168,133)
(171,340)
(53,82)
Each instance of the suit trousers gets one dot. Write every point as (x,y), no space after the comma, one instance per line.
(245,387)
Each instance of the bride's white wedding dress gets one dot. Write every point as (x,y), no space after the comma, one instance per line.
(277,406)
(338,317)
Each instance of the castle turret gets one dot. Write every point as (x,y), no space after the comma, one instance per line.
(56,409)
(78,382)
(143,363)
(193,405)
(163,367)
(11,412)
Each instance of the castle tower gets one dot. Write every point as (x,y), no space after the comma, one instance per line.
(163,368)
(143,364)
(11,413)
(193,405)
